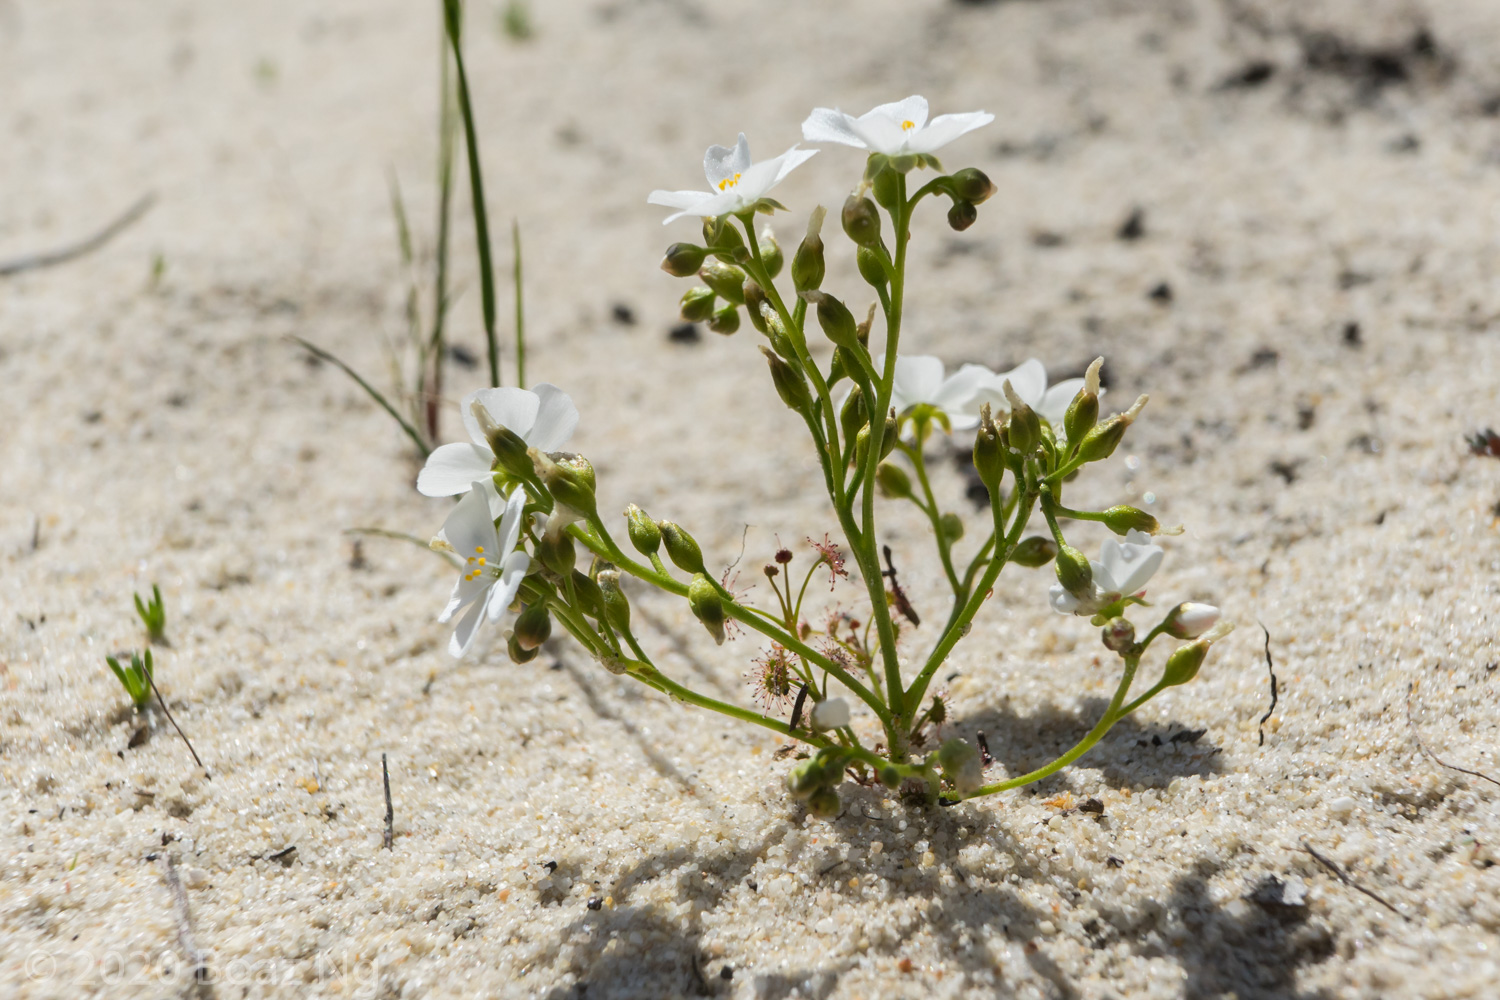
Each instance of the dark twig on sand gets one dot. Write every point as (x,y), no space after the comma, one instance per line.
(37,261)
(196,962)
(1270,669)
(1416,736)
(390,810)
(1339,874)
(168,712)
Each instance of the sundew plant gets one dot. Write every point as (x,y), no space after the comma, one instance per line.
(536,550)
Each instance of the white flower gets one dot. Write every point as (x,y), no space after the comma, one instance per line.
(831,713)
(544,418)
(734,183)
(1029,380)
(1122,570)
(919,379)
(893,129)
(492,567)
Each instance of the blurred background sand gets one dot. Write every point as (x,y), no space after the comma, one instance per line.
(1310,298)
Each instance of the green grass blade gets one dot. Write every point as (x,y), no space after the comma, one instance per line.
(453,11)
(406,426)
(515,239)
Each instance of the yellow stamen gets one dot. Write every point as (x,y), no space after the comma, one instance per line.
(907,126)
(479,549)
(481,560)
(729,182)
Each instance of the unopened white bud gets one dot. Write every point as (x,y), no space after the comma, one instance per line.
(831,713)
(1190,620)
(1091,377)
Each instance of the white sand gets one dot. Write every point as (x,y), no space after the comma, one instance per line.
(171,434)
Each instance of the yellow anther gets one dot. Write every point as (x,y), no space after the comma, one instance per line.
(481,560)
(479,549)
(729,182)
(907,126)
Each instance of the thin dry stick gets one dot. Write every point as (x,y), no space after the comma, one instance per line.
(37,261)
(185,923)
(1416,736)
(390,811)
(163,703)
(1270,669)
(1339,874)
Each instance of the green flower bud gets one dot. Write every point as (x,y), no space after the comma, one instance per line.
(556,552)
(683,259)
(1122,519)
(888,442)
(824,804)
(871,268)
(893,481)
(884,186)
(1101,442)
(590,597)
(960,764)
(570,480)
(776,334)
(1025,427)
(952,526)
(533,626)
(862,442)
(644,534)
(861,220)
(755,296)
(971,185)
(855,413)
(681,548)
(723,238)
(519,653)
(890,777)
(770,252)
(1182,665)
(726,320)
(697,304)
(509,448)
(807,262)
(1074,573)
(789,383)
(989,455)
(1118,635)
(1083,412)
(616,606)
(726,280)
(1038,550)
(804,779)
(962,215)
(707,606)
(836,320)
(905,163)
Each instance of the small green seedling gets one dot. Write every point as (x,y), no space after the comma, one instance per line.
(515,21)
(136,678)
(153,615)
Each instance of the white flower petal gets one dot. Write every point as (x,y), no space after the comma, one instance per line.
(1131,563)
(721,163)
(791,160)
(711,206)
(916,380)
(911,109)
(468,627)
(880,133)
(509,531)
(1029,379)
(958,390)
(678,199)
(1062,602)
(453,468)
(831,125)
(514,409)
(556,418)
(469,526)
(944,129)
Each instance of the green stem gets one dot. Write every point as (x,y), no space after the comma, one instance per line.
(515,239)
(945,548)
(1114,713)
